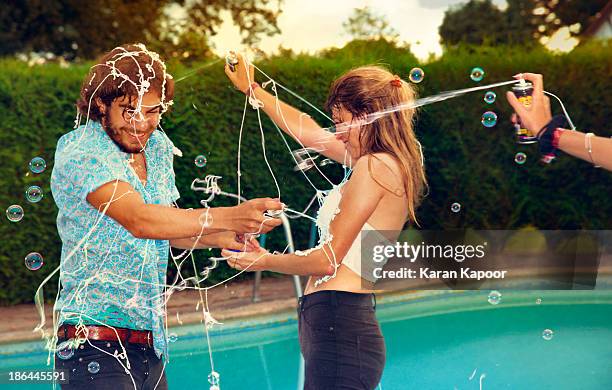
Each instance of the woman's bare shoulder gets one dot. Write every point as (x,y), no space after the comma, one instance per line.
(385,170)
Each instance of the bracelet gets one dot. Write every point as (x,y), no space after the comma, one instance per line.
(252,87)
(589,147)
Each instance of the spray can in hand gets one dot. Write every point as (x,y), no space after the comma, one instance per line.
(231,59)
(523,92)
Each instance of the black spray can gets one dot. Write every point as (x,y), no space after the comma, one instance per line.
(523,92)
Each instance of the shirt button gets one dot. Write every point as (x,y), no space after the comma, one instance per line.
(331,328)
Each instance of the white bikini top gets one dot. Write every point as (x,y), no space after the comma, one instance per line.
(329,206)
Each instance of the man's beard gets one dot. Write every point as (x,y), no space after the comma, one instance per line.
(115,136)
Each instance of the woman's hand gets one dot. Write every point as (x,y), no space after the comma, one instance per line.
(241,77)
(249,261)
(536,116)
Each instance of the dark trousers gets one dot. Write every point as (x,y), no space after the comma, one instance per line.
(145,372)
(341,341)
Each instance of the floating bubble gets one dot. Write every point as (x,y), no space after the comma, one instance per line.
(494,297)
(93,367)
(172,337)
(214,387)
(304,165)
(14,213)
(489,97)
(38,165)
(416,75)
(477,74)
(34,261)
(200,161)
(538,301)
(489,119)
(455,207)
(305,153)
(34,194)
(547,334)
(520,158)
(213,378)
(65,350)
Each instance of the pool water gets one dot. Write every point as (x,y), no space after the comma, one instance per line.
(434,341)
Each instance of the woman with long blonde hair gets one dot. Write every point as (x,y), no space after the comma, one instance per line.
(339,335)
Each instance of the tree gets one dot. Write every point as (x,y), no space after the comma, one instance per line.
(365,24)
(578,13)
(477,22)
(523,22)
(89,28)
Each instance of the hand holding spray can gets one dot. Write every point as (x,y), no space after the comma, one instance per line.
(523,92)
(231,59)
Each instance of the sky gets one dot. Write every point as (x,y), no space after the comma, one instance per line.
(315,24)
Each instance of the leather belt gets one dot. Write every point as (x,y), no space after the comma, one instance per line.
(104,333)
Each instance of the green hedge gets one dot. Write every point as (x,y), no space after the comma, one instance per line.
(465,162)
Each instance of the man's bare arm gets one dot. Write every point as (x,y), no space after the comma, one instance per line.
(120,201)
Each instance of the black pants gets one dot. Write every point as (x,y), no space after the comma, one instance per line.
(146,369)
(341,341)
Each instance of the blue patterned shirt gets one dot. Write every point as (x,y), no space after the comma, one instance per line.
(108,276)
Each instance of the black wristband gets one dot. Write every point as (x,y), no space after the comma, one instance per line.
(556,121)
(545,136)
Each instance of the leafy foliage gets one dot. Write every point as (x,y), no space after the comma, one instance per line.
(364,23)
(85,29)
(523,22)
(465,162)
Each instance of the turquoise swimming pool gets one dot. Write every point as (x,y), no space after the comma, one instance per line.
(435,340)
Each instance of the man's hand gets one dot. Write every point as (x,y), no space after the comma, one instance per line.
(248,217)
(230,240)
(239,76)
(536,116)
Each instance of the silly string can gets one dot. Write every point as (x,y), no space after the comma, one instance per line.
(523,92)
(231,59)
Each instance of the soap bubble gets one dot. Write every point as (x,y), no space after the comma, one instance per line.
(304,165)
(455,207)
(477,74)
(489,119)
(93,367)
(172,337)
(520,158)
(34,194)
(494,297)
(65,350)
(416,75)
(34,261)
(305,154)
(489,97)
(213,378)
(38,165)
(547,334)
(200,161)
(14,213)
(538,301)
